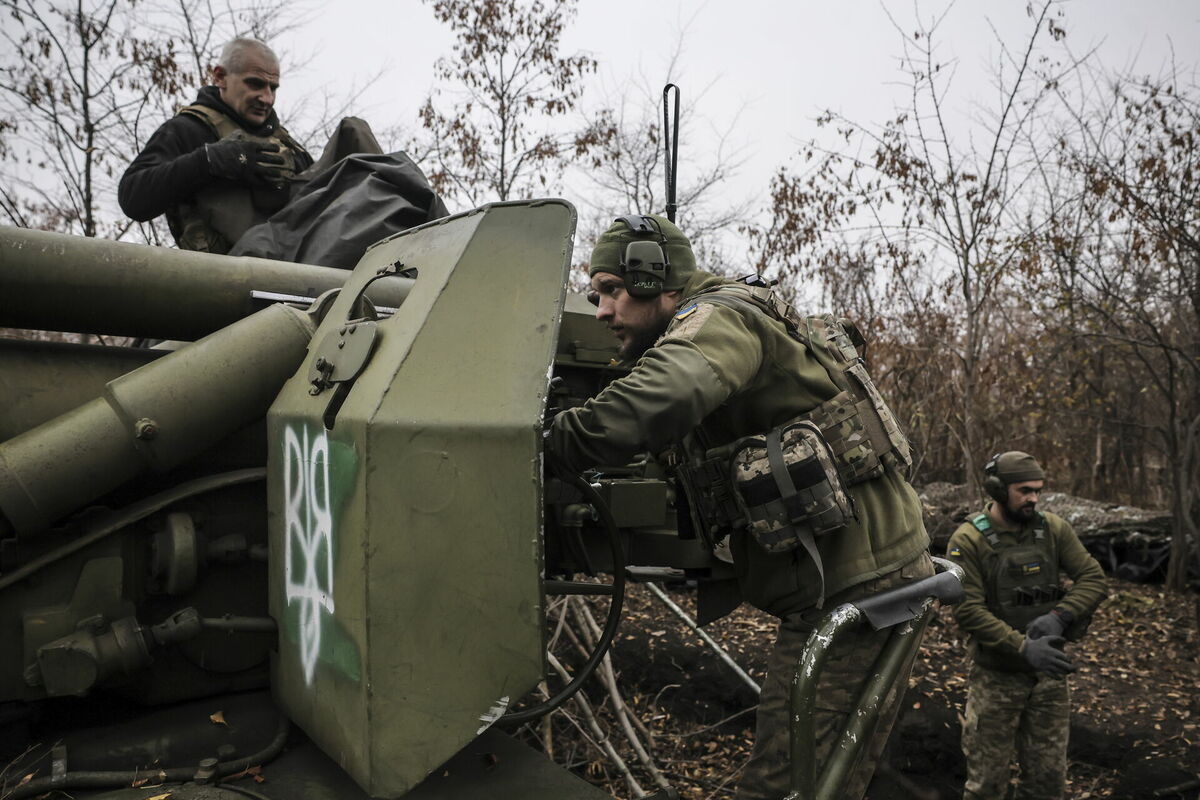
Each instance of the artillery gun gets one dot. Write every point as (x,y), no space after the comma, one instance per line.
(316,537)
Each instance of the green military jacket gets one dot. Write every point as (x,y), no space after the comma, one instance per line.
(969,548)
(731,373)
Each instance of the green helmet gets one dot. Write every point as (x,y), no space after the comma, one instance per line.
(647,251)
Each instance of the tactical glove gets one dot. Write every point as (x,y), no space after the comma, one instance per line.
(1052,624)
(1045,655)
(255,163)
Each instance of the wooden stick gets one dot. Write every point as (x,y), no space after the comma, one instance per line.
(624,716)
(611,678)
(691,623)
(601,737)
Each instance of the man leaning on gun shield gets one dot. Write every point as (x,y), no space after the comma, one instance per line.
(789,460)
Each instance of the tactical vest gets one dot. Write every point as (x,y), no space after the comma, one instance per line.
(218,215)
(784,496)
(1021,583)
(859,427)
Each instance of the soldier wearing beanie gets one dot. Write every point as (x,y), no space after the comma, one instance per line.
(1018,618)
(715,361)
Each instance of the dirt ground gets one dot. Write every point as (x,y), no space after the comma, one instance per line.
(1135,730)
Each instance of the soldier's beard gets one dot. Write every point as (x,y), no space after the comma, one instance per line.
(1021,514)
(637,344)
(641,337)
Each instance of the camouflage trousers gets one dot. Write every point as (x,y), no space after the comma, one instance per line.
(768,772)
(1015,713)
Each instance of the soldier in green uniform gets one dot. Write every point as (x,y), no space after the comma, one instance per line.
(223,163)
(788,457)
(1018,617)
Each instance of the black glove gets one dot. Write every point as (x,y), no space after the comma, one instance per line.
(255,163)
(1052,624)
(1045,655)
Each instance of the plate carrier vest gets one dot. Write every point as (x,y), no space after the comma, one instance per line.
(218,215)
(785,495)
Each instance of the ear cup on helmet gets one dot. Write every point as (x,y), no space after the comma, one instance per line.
(995,488)
(644,265)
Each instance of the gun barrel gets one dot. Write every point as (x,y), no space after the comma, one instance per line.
(51,281)
(151,419)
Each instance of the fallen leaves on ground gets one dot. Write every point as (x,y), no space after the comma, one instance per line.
(1139,678)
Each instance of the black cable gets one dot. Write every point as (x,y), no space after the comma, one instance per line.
(229,787)
(114,778)
(515,718)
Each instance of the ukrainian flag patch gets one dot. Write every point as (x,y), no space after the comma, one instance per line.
(1032,568)
(955,553)
(684,313)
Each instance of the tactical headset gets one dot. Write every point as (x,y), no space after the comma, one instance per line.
(995,488)
(644,265)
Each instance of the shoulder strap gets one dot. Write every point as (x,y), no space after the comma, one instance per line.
(984,526)
(220,124)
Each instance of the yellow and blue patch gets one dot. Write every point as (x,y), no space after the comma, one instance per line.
(1032,568)
(954,553)
(684,313)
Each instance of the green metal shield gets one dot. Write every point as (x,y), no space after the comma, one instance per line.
(405,498)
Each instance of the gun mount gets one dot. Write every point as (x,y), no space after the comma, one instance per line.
(325,514)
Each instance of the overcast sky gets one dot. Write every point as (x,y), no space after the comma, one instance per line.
(759,69)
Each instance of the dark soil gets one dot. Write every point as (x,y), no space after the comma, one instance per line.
(1134,732)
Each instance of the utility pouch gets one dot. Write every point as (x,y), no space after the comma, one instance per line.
(710,496)
(788,487)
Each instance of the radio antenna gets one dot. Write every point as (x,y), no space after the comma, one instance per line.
(671,143)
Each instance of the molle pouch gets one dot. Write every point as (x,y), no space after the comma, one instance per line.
(788,487)
(709,495)
(845,429)
(1024,584)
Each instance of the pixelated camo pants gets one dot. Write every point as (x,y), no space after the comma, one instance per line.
(767,774)
(1015,714)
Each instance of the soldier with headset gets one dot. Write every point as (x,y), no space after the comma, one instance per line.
(1018,617)
(787,457)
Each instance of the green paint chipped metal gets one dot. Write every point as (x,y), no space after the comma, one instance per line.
(409,481)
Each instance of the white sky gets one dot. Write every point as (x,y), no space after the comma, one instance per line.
(769,66)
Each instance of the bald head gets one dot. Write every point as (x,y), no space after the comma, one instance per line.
(247,77)
(237,54)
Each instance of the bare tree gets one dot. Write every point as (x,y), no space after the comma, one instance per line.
(625,171)
(70,77)
(909,212)
(83,84)
(493,135)
(1131,271)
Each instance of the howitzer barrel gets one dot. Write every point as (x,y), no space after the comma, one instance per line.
(50,281)
(153,418)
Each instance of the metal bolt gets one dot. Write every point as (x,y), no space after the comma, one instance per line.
(206,771)
(321,363)
(145,429)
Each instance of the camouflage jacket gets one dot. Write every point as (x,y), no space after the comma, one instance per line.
(969,548)
(728,373)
